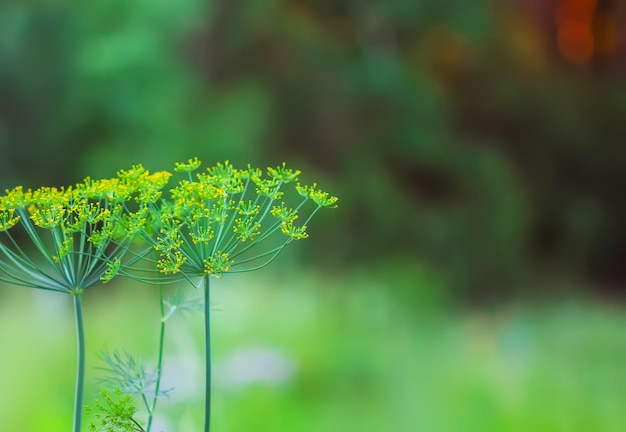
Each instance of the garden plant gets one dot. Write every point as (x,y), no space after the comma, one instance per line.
(216,221)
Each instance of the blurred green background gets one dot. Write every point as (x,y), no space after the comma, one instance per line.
(472,278)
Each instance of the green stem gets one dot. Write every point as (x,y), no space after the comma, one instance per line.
(80,370)
(207,358)
(159,363)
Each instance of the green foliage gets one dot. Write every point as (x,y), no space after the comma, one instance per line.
(364,360)
(421,108)
(128,373)
(114,412)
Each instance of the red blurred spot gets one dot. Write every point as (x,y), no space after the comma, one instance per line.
(574,20)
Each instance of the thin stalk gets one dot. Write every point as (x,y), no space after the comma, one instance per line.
(80,369)
(159,362)
(218,236)
(207,357)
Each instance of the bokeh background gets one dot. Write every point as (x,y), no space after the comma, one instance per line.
(472,278)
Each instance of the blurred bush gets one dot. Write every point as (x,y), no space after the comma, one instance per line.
(470,135)
(351,356)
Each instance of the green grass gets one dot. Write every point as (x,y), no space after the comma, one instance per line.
(365,358)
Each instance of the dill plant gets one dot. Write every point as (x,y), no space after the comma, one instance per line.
(75,238)
(222,220)
(225,220)
(114,412)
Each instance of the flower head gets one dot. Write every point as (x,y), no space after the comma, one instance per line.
(82,232)
(321,198)
(226,219)
(189,166)
(283,174)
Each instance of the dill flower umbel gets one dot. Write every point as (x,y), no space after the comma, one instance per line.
(79,236)
(228,220)
(231,220)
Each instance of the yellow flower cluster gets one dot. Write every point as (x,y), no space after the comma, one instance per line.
(319,197)
(81,230)
(224,212)
(217,264)
(207,224)
(8,219)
